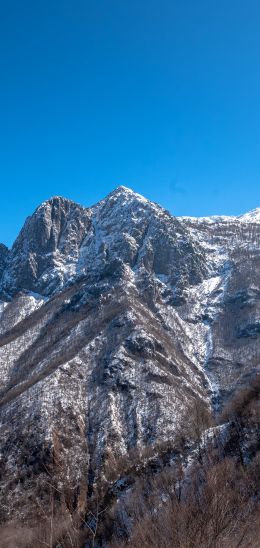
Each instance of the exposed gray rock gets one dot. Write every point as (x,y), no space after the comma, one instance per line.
(113,319)
(44,256)
(250,330)
(3,258)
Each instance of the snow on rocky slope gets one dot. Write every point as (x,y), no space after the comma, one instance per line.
(113,319)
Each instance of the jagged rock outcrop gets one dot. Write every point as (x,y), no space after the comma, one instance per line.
(44,256)
(113,319)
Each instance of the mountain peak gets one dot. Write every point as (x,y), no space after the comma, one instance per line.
(122,189)
(128,193)
(251,216)
(56,201)
(115,322)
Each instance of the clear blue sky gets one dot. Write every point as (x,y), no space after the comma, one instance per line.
(161,96)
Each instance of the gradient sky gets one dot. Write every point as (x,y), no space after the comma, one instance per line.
(161,96)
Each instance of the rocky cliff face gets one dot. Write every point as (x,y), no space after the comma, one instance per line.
(113,320)
(46,251)
(3,257)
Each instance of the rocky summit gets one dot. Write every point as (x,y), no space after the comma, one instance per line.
(114,319)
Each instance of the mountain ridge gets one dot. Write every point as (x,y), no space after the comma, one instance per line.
(121,189)
(114,320)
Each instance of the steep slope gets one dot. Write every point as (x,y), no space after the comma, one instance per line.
(45,253)
(3,258)
(114,319)
(233,244)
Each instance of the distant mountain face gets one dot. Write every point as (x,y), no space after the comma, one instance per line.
(113,320)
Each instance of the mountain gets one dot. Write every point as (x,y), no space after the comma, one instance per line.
(46,251)
(114,320)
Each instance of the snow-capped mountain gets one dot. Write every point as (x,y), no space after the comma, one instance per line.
(113,319)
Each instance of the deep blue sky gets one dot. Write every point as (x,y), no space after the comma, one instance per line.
(161,96)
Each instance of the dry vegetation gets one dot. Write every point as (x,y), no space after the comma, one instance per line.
(208,501)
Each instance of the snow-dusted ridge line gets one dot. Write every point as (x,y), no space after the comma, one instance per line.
(252,216)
